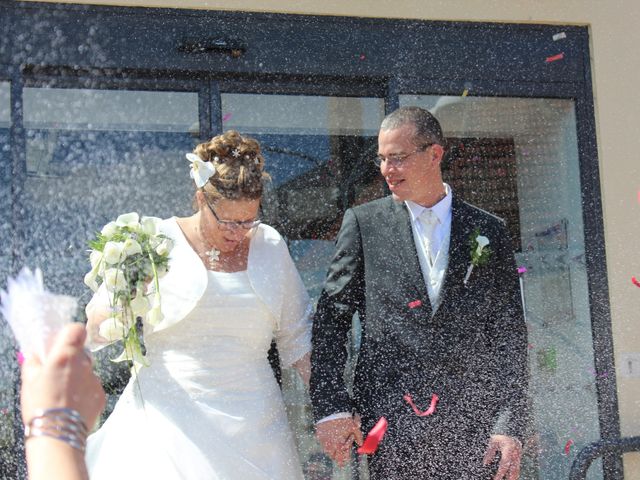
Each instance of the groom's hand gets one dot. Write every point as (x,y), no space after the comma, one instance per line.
(337,436)
(510,450)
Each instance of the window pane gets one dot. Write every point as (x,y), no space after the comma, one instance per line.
(92,155)
(319,152)
(518,158)
(8,422)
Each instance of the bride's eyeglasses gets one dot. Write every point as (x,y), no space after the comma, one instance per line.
(232,224)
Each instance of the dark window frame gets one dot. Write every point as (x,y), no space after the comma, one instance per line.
(303,54)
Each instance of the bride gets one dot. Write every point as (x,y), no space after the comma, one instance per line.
(208,406)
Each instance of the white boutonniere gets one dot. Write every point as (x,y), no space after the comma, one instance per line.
(480,252)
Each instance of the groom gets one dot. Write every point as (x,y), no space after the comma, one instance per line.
(435,330)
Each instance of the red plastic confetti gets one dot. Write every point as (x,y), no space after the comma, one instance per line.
(20,358)
(567,447)
(417,411)
(374,437)
(553,58)
(226,116)
(635,282)
(415,304)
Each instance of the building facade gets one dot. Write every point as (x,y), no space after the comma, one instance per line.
(99,103)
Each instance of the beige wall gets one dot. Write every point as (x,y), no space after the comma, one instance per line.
(615,39)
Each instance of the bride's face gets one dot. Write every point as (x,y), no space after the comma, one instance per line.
(227,223)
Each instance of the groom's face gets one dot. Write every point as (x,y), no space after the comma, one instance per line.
(408,168)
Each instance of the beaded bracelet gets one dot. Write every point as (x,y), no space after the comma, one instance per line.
(63,424)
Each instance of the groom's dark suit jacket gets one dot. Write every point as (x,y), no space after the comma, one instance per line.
(471,353)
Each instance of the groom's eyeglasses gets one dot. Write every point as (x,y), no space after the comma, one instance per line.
(231,224)
(398,159)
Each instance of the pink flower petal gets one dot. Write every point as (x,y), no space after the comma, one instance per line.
(567,447)
(415,304)
(374,437)
(417,411)
(554,58)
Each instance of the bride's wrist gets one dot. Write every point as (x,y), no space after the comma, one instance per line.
(63,424)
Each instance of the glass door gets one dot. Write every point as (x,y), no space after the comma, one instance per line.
(518,158)
(9,426)
(91,155)
(319,151)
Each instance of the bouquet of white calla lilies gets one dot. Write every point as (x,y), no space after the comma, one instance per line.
(126,256)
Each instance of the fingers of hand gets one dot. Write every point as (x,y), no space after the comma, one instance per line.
(490,454)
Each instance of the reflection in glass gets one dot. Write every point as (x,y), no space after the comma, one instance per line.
(518,158)
(9,423)
(319,151)
(92,155)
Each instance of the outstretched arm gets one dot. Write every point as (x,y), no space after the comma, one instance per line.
(511,369)
(64,380)
(342,296)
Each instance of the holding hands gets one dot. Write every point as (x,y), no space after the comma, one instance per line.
(337,436)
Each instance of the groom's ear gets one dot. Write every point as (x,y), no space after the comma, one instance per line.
(436,153)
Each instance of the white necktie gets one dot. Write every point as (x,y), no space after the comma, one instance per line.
(428,220)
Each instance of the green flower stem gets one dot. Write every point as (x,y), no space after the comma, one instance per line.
(156,282)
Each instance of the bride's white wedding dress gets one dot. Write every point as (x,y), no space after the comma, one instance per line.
(208,407)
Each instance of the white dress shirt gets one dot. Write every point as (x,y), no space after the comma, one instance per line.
(438,241)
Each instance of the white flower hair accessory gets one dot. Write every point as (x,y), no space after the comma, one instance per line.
(201,171)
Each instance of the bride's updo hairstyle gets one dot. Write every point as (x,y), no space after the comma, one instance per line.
(239,167)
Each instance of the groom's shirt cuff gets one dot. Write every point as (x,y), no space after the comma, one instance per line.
(335,416)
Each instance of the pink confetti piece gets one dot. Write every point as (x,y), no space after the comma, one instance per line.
(363,56)
(417,411)
(635,282)
(559,36)
(554,58)
(522,270)
(20,358)
(638,196)
(567,447)
(227,116)
(374,437)
(415,304)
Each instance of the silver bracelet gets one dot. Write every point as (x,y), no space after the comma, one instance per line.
(63,424)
